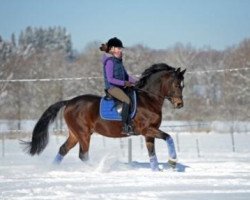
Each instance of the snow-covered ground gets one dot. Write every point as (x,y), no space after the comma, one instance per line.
(213,171)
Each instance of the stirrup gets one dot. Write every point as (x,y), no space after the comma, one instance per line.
(127,130)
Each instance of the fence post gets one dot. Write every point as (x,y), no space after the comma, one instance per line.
(122,147)
(232,138)
(197,147)
(129,150)
(141,144)
(3,145)
(178,143)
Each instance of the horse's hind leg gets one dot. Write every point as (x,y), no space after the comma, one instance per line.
(64,149)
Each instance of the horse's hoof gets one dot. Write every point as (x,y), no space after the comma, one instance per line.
(172,163)
(58,159)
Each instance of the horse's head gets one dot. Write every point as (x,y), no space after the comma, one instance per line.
(172,86)
(163,81)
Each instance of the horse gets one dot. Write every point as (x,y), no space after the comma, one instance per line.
(81,114)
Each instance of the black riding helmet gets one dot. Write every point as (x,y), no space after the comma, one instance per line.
(114,42)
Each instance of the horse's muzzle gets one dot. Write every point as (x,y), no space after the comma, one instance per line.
(179,105)
(177,102)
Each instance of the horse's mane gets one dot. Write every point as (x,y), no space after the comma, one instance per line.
(152,70)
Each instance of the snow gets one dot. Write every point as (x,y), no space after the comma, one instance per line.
(216,172)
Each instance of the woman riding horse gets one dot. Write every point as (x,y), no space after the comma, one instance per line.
(81,114)
(116,79)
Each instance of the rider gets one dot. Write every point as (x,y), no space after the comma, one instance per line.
(117,79)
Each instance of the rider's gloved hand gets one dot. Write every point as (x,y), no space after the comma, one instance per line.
(128,84)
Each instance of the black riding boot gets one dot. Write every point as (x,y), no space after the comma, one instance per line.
(127,122)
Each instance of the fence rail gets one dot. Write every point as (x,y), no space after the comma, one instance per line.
(100,77)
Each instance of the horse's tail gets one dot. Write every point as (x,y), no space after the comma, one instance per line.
(40,135)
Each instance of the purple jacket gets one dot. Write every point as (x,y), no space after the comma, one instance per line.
(109,72)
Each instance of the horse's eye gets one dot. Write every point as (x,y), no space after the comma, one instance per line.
(176,85)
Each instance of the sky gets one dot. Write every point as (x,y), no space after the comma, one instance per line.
(157,24)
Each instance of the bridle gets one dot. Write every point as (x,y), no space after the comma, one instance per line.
(158,95)
(169,97)
(152,93)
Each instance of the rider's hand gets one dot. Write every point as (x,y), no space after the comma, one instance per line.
(128,84)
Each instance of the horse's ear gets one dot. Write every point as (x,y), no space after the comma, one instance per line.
(178,70)
(183,72)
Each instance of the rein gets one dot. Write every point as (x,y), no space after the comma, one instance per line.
(152,93)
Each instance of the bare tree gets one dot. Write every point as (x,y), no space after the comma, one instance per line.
(237,81)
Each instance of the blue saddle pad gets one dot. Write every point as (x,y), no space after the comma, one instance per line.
(108,110)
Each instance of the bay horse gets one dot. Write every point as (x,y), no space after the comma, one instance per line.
(81,114)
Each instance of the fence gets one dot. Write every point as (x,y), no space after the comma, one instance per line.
(198,135)
(30,97)
(199,145)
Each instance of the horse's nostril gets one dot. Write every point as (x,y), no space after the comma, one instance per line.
(179,105)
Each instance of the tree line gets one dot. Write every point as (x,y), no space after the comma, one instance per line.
(40,53)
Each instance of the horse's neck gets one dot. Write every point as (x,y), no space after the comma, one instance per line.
(153,96)
(153,90)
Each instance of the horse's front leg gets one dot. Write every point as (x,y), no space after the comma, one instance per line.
(156,133)
(150,143)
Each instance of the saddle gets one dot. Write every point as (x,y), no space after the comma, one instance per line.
(111,108)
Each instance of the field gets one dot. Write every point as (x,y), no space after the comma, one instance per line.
(211,168)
